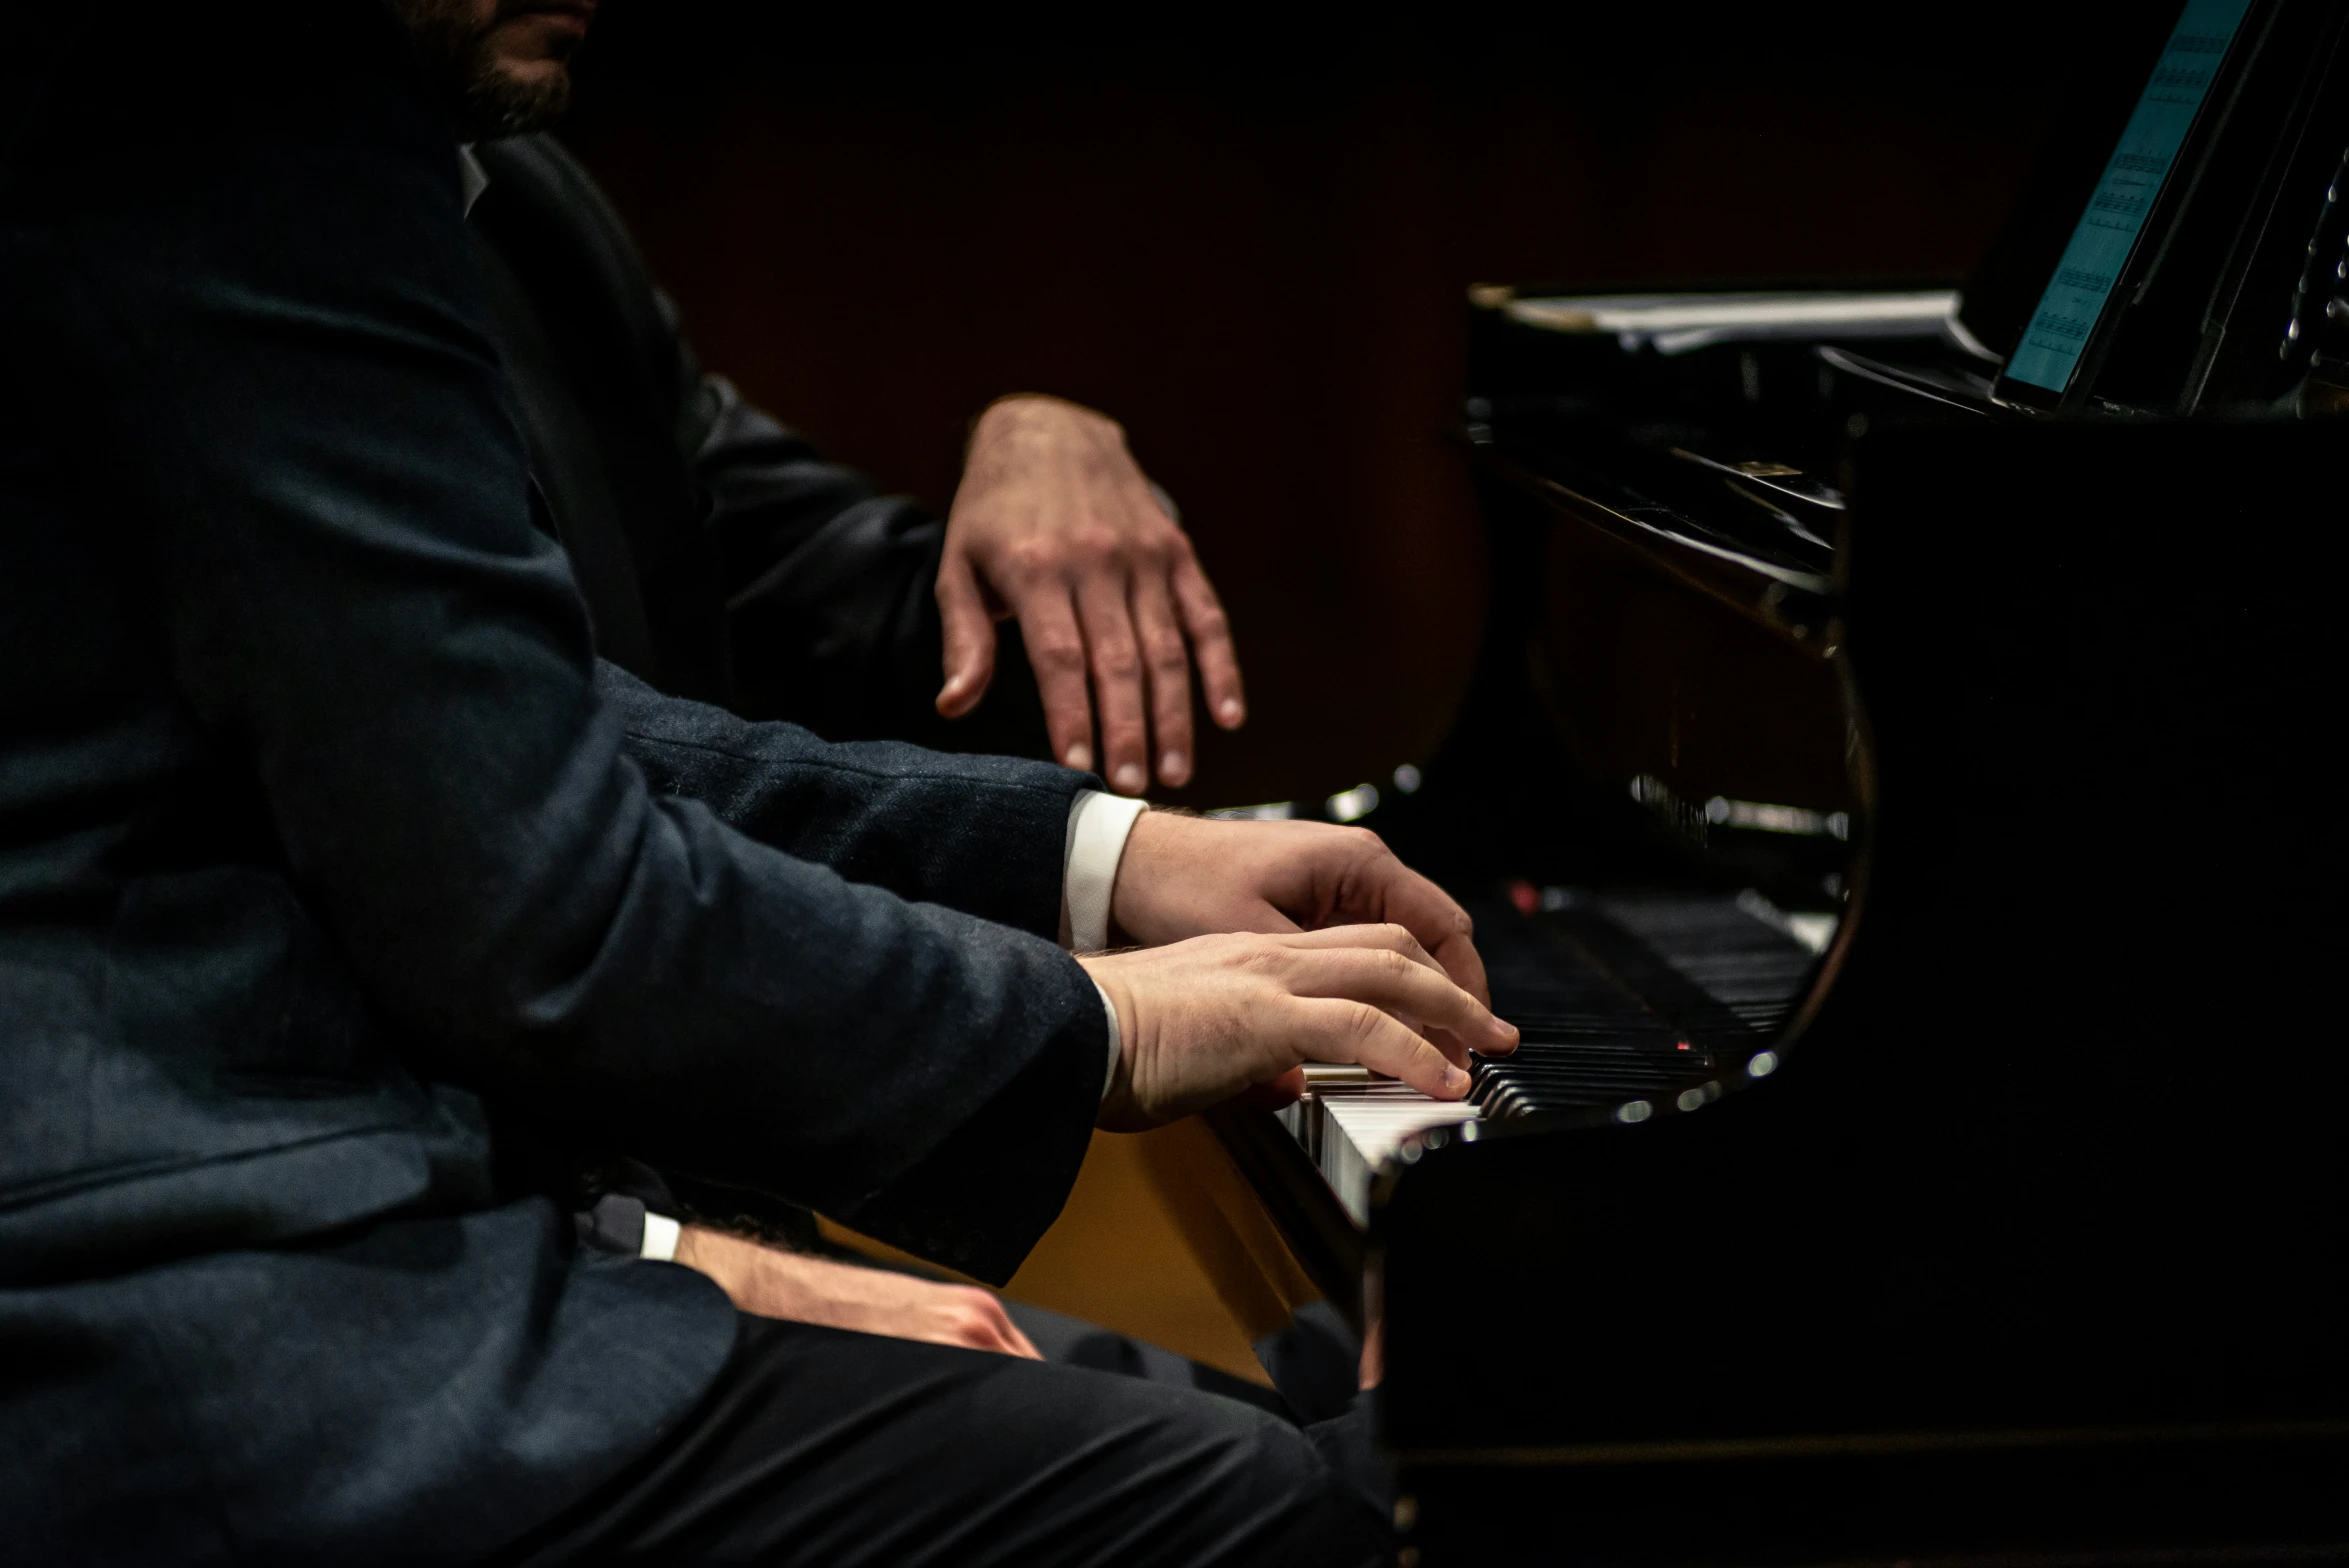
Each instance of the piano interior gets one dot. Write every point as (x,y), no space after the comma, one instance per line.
(1895,805)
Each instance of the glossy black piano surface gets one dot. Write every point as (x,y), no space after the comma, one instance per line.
(2012,1225)
(2042,1196)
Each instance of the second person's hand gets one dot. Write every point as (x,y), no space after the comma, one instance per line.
(1055,525)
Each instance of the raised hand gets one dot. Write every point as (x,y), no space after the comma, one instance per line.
(1203,1019)
(1055,524)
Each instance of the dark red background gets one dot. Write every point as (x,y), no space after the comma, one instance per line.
(1248,235)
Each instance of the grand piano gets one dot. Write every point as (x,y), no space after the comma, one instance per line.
(1896,809)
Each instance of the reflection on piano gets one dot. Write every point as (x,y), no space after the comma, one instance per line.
(1900,806)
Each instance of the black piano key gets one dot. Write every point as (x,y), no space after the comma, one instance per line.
(1627,996)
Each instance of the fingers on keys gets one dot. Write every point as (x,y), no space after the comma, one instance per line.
(1387,997)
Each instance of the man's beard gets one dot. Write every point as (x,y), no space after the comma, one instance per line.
(458,58)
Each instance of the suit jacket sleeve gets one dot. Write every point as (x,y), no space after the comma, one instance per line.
(299,421)
(924,824)
(826,585)
(830,616)
(773,579)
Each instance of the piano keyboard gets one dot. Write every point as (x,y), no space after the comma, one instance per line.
(1351,1124)
(1620,998)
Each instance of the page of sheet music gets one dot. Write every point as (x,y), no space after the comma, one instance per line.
(2116,213)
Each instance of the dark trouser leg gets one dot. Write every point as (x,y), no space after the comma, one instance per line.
(1075,1343)
(1315,1362)
(819,1446)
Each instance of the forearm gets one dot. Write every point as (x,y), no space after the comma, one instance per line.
(840,632)
(772,1284)
(830,619)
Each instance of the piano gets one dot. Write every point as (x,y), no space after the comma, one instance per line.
(1896,805)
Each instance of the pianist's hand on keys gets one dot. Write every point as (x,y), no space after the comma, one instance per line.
(1200,1020)
(1188,876)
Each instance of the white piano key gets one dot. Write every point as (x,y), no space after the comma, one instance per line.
(1351,1127)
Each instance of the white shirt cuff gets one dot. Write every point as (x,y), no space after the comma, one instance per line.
(1098,826)
(660,1238)
(1117,1040)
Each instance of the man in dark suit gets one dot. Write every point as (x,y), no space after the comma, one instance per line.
(721,557)
(322,832)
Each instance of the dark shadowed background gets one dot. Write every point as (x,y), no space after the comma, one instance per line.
(1247,233)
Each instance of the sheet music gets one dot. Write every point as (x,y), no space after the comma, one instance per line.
(2132,181)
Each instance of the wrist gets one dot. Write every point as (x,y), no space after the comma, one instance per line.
(1117,1092)
(1145,843)
(1039,417)
(723,1258)
(1158,863)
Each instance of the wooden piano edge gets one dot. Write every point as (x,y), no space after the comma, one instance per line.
(1327,1244)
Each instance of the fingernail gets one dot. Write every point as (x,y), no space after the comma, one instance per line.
(1229,710)
(1455,1080)
(1080,757)
(1131,778)
(1174,767)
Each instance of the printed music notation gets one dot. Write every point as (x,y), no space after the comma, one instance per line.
(2125,195)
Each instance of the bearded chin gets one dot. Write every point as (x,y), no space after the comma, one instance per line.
(456,52)
(498,105)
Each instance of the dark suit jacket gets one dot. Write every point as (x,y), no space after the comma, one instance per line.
(719,554)
(318,823)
